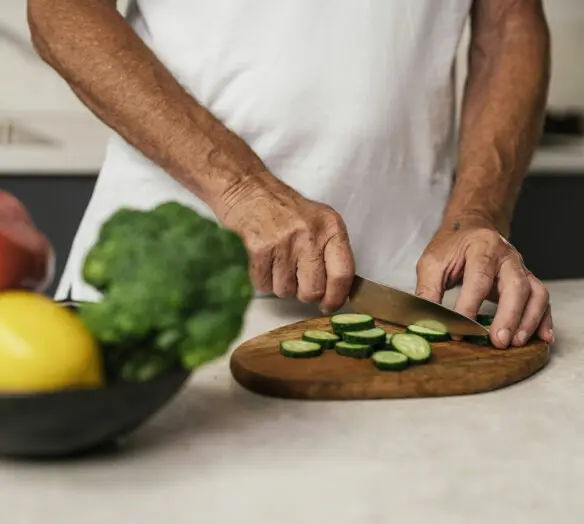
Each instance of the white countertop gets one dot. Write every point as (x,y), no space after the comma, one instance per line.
(221,455)
(79,141)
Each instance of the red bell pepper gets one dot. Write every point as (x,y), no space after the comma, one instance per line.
(26,258)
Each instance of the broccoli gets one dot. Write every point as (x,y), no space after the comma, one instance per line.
(175,290)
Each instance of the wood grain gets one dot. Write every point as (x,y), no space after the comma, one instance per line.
(456,368)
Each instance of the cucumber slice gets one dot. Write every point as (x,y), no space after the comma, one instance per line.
(388,340)
(390,360)
(434,325)
(480,340)
(431,335)
(485,320)
(374,337)
(300,349)
(415,347)
(351,322)
(347,349)
(325,339)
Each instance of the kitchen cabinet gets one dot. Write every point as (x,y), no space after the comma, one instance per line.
(545,226)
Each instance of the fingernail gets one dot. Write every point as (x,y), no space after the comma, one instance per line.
(504,336)
(521,338)
(551,334)
(325,311)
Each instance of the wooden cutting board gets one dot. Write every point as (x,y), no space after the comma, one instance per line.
(456,368)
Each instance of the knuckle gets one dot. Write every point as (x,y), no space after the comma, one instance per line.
(482,280)
(301,226)
(341,276)
(487,239)
(333,221)
(428,262)
(425,290)
(314,258)
(284,291)
(486,262)
(309,296)
(522,286)
(540,291)
(260,250)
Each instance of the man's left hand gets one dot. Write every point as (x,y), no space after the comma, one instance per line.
(490,269)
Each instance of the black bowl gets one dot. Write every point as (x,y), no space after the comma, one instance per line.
(69,422)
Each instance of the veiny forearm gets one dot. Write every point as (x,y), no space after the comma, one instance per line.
(503,109)
(119,78)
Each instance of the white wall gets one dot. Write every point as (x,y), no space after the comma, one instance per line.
(566,18)
(566,21)
(27,85)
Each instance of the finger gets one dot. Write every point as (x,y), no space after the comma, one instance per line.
(545,331)
(311,276)
(514,293)
(340,271)
(284,275)
(260,269)
(479,277)
(430,275)
(533,313)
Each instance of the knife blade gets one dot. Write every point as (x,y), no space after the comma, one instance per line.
(402,308)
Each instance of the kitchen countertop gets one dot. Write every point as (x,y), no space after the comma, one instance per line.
(79,141)
(220,455)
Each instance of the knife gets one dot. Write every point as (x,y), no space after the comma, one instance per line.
(401,308)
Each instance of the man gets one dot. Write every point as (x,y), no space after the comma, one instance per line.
(323,133)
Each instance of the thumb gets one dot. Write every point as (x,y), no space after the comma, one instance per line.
(430,281)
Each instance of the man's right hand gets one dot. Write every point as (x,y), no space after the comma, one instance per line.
(297,247)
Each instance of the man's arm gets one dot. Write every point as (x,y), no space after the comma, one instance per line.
(502,114)
(297,247)
(121,80)
(502,111)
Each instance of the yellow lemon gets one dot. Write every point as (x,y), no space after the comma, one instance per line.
(44,347)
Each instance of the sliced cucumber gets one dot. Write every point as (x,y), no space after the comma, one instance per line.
(351,322)
(415,347)
(434,325)
(485,320)
(324,338)
(347,349)
(374,337)
(429,334)
(300,349)
(388,340)
(390,360)
(480,340)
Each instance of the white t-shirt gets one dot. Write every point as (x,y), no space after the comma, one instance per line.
(350,102)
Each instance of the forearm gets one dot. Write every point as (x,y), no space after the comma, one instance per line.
(502,113)
(119,78)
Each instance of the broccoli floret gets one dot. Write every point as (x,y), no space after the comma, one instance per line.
(173,284)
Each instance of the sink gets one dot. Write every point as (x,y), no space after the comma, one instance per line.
(14,134)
